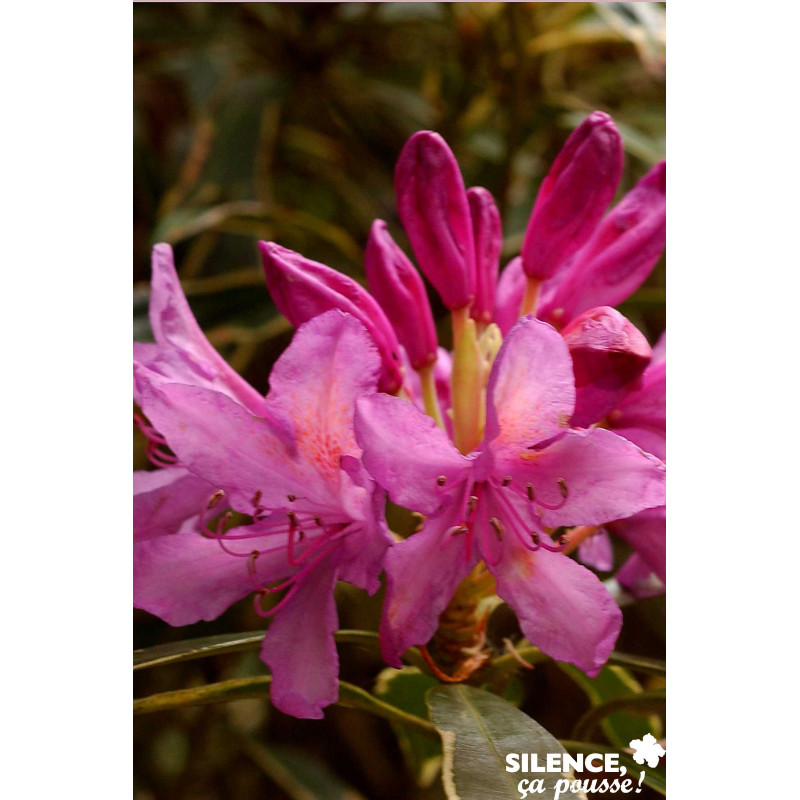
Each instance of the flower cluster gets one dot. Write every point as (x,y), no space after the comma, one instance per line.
(540,433)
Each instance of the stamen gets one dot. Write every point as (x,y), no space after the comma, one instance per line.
(290,497)
(420,521)
(562,484)
(441,480)
(317,520)
(498,528)
(457,530)
(507,480)
(215,498)
(256,501)
(529,491)
(473,501)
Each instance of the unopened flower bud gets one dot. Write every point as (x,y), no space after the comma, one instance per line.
(432,203)
(398,287)
(621,253)
(608,354)
(573,197)
(488,232)
(302,289)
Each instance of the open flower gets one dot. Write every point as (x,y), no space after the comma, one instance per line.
(289,462)
(530,474)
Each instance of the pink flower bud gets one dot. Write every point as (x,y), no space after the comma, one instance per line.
(573,197)
(432,203)
(488,233)
(398,287)
(302,289)
(620,254)
(608,355)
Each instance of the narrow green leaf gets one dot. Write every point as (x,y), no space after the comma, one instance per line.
(478,730)
(406,689)
(643,701)
(227,643)
(350,696)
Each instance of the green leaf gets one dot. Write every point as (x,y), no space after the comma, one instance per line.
(406,689)
(620,707)
(654,778)
(227,643)
(350,696)
(478,730)
(298,774)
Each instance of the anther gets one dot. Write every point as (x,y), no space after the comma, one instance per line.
(529,491)
(290,497)
(461,529)
(256,499)
(498,528)
(419,521)
(563,540)
(441,480)
(535,537)
(251,562)
(292,518)
(507,480)
(562,484)
(473,501)
(215,498)
(318,520)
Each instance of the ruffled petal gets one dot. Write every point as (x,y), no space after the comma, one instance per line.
(636,578)
(330,363)
(164,499)
(597,552)
(531,393)
(300,650)
(588,478)
(562,607)
(185,355)
(508,300)
(407,453)
(223,443)
(422,574)
(187,577)
(646,532)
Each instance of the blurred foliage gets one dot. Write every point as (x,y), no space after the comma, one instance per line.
(283,122)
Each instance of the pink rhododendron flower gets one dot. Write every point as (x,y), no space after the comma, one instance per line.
(290,462)
(531,473)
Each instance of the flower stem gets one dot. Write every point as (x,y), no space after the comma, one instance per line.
(429,396)
(531,296)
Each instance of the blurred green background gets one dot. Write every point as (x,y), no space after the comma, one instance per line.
(283,122)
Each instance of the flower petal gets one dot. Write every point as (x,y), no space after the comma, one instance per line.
(597,552)
(488,232)
(407,453)
(187,577)
(508,300)
(330,363)
(562,607)
(300,650)
(646,532)
(303,289)
(589,478)
(422,574)
(222,442)
(164,499)
(185,355)
(620,254)
(636,578)
(641,416)
(531,393)
(608,354)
